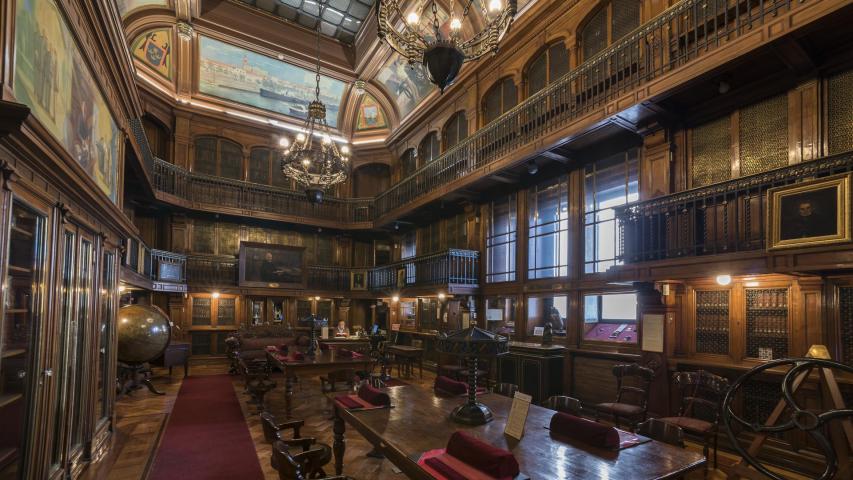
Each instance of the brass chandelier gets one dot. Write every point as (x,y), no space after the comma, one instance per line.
(313,159)
(438,45)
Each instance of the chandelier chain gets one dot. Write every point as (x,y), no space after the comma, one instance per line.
(319,26)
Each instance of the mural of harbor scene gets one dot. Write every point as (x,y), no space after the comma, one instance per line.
(235,74)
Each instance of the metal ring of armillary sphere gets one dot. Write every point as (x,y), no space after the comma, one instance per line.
(442,51)
(799,418)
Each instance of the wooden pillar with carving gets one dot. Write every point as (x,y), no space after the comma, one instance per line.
(657,319)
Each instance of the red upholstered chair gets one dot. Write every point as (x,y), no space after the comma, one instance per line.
(699,414)
(631,400)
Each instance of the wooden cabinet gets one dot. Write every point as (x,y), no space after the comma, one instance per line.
(212,319)
(536,369)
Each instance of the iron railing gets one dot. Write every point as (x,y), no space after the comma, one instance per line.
(689,30)
(168,266)
(721,218)
(451,267)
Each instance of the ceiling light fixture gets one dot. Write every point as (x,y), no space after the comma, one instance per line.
(532,167)
(423,38)
(317,166)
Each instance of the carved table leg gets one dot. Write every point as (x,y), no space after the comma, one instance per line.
(339,446)
(288,396)
(151,387)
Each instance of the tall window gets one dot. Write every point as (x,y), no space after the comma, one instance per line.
(500,240)
(220,157)
(610,317)
(259,165)
(455,130)
(609,24)
(548,236)
(428,148)
(499,99)
(408,163)
(550,65)
(608,183)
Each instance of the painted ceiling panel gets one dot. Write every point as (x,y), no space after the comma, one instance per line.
(342,19)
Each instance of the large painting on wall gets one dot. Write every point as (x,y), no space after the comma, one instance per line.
(154,49)
(809,213)
(52,78)
(233,73)
(406,85)
(127,6)
(370,114)
(272,266)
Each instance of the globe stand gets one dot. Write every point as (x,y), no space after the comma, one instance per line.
(472,412)
(133,377)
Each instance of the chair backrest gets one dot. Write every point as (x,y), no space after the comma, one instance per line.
(662,432)
(701,391)
(269,424)
(639,393)
(506,389)
(295,466)
(562,403)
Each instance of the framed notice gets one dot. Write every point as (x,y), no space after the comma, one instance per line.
(518,415)
(653,332)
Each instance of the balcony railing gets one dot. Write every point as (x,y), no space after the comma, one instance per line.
(218,192)
(722,218)
(166,271)
(450,268)
(687,31)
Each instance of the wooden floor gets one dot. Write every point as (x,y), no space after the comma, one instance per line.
(142,417)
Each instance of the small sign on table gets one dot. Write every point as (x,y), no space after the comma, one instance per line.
(518,415)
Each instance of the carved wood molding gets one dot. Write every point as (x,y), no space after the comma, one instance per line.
(12,116)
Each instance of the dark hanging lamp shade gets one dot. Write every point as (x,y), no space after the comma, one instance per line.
(315,195)
(443,62)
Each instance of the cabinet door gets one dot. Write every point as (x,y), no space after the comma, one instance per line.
(531,379)
(508,369)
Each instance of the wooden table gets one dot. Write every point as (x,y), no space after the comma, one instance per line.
(353,343)
(407,352)
(419,422)
(321,364)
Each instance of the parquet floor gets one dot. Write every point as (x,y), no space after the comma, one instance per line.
(141,418)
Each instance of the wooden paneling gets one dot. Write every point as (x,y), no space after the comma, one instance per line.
(593,380)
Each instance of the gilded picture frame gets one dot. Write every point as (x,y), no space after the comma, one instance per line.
(808,214)
(358,280)
(271,266)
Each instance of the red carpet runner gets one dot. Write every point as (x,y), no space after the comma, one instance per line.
(206,437)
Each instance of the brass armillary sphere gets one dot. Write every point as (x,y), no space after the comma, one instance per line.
(313,159)
(443,50)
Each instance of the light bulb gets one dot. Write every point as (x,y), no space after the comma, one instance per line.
(455,24)
(300,137)
(495,6)
(306,162)
(441,296)
(724,279)
(395,298)
(283,142)
(412,18)
(345,149)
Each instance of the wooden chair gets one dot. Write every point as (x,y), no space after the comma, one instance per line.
(302,465)
(329,382)
(631,401)
(661,431)
(273,428)
(701,393)
(505,389)
(562,403)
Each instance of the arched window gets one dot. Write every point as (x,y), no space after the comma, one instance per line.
(220,157)
(499,99)
(428,148)
(408,163)
(610,23)
(551,64)
(158,137)
(455,130)
(259,165)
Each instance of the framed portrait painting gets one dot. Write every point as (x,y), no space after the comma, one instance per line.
(810,213)
(358,280)
(271,265)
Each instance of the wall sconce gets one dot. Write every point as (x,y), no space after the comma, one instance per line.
(442,296)
(317,298)
(215,294)
(724,279)
(395,298)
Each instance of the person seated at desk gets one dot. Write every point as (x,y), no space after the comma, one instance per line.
(342,330)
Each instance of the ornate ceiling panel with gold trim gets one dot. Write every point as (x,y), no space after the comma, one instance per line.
(342,19)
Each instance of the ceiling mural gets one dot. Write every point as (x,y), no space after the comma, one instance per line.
(127,6)
(342,19)
(154,49)
(239,75)
(406,85)
(370,114)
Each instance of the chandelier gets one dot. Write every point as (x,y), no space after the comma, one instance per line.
(312,159)
(439,45)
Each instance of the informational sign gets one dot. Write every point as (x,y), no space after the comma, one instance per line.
(518,415)
(538,331)
(324,333)
(653,332)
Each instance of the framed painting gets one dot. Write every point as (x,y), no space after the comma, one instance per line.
(810,213)
(271,266)
(358,280)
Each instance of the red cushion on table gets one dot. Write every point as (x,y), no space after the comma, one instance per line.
(373,395)
(593,433)
(444,469)
(487,458)
(450,385)
(348,402)
(345,353)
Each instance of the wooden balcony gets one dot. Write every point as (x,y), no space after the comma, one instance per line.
(724,218)
(451,271)
(153,269)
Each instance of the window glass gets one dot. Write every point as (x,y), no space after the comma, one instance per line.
(610,317)
(259,165)
(428,148)
(558,61)
(231,160)
(409,162)
(624,18)
(499,99)
(548,239)
(594,34)
(205,156)
(500,241)
(545,309)
(500,315)
(537,74)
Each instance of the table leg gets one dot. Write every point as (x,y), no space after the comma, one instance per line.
(421,365)
(339,446)
(288,396)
